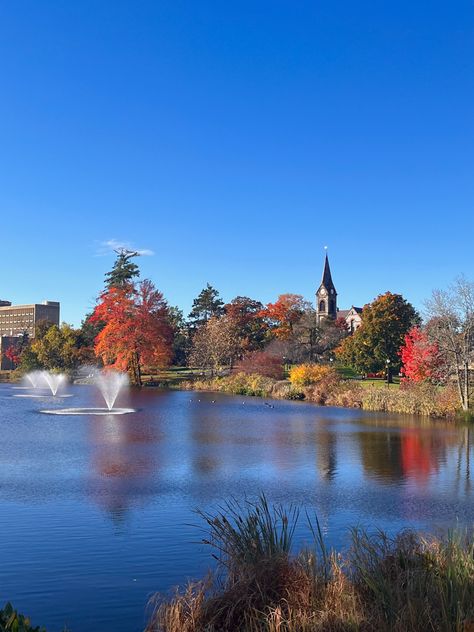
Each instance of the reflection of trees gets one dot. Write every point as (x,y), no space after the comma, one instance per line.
(407,454)
(463,461)
(123,462)
(208,443)
(326,459)
(381,454)
(421,454)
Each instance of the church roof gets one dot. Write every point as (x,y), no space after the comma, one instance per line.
(344,313)
(327,278)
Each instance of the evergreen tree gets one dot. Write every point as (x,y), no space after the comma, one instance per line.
(206,305)
(124,270)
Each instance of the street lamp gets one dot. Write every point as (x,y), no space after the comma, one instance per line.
(387,362)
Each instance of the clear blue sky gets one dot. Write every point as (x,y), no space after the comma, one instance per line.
(235,140)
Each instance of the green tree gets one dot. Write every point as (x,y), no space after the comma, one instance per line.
(124,270)
(375,345)
(180,336)
(206,305)
(57,348)
(89,330)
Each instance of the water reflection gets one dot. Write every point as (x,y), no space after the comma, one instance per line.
(326,451)
(124,459)
(65,484)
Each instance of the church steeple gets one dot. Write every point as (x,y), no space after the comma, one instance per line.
(326,296)
(327,278)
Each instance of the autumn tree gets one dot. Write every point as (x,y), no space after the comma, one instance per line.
(124,270)
(451,327)
(245,313)
(206,305)
(57,348)
(376,344)
(137,330)
(282,315)
(421,359)
(215,345)
(13,355)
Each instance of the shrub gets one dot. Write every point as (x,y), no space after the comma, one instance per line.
(306,374)
(413,398)
(236,383)
(12,621)
(261,363)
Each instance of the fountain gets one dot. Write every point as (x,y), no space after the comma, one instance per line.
(110,384)
(54,381)
(43,380)
(35,378)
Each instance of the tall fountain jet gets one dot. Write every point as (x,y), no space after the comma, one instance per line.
(110,385)
(41,381)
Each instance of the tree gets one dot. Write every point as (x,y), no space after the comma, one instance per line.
(376,344)
(57,348)
(452,328)
(124,270)
(421,358)
(282,315)
(313,342)
(180,336)
(12,354)
(244,312)
(137,331)
(206,305)
(90,329)
(215,345)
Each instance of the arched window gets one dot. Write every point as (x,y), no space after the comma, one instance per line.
(322,306)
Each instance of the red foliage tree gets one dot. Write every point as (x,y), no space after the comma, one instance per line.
(12,354)
(245,314)
(261,363)
(420,357)
(137,330)
(284,313)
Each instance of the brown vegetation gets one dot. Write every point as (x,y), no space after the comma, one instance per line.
(412,399)
(410,583)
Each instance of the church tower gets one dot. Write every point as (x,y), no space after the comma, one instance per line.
(326,296)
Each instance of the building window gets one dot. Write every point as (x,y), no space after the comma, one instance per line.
(322,306)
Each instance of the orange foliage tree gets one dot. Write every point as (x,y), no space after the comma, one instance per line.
(137,330)
(282,315)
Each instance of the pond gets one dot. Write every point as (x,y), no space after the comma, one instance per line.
(97,513)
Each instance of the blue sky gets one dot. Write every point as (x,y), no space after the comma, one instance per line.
(235,140)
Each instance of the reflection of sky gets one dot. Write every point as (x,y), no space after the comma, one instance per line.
(101,507)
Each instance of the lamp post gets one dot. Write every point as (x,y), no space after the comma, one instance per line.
(387,363)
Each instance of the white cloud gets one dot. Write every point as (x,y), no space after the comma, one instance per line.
(105,247)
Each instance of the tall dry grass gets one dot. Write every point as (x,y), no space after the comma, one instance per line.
(410,583)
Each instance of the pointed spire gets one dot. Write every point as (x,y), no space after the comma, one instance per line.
(327,278)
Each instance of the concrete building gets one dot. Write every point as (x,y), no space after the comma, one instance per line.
(16,320)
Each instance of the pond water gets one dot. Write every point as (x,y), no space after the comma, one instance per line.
(95,512)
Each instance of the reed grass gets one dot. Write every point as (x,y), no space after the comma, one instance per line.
(408,583)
